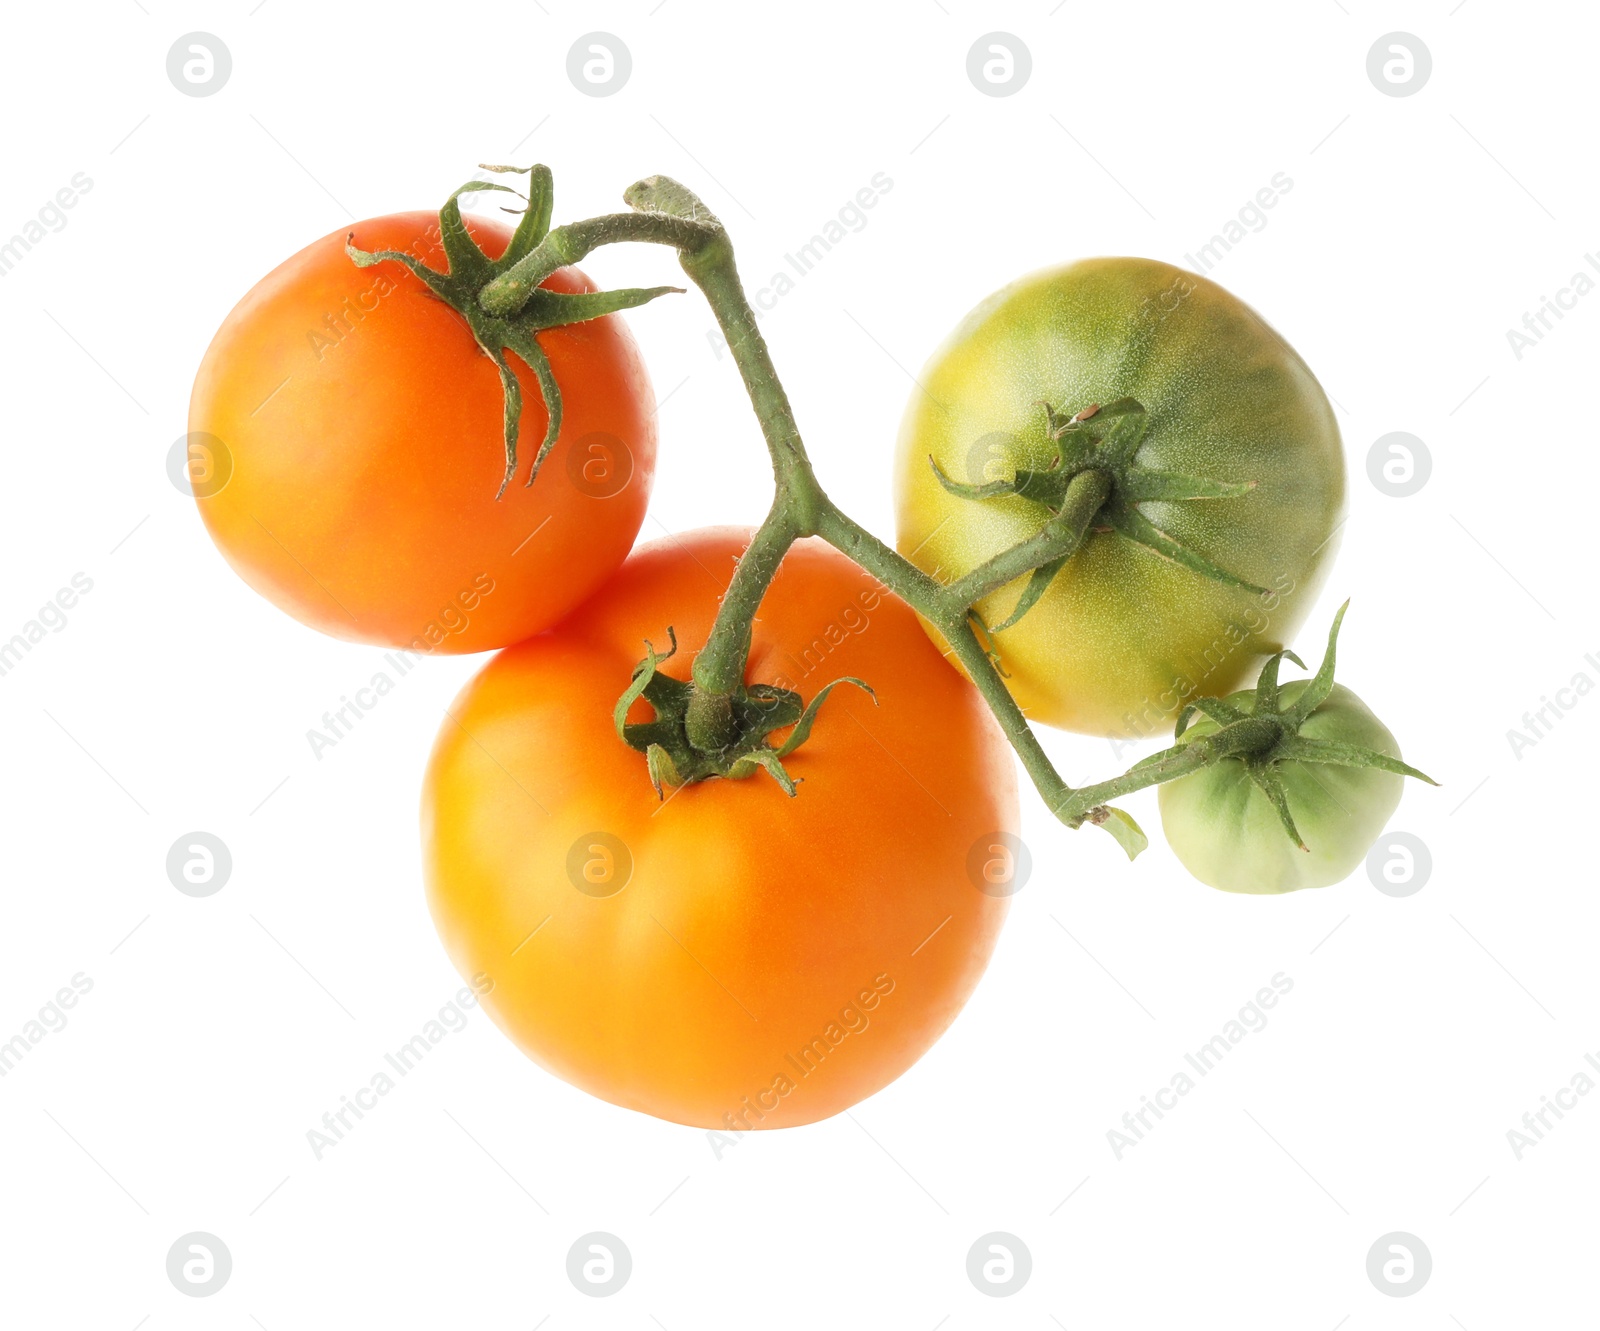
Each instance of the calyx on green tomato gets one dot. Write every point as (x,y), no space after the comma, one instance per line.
(1226,485)
(1311,781)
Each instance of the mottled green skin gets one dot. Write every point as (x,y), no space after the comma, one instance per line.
(1123,636)
(1229,836)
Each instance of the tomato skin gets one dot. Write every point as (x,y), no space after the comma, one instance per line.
(1123,636)
(1229,836)
(751,924)
(364,427)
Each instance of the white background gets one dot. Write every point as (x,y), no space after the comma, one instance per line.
(219,1030)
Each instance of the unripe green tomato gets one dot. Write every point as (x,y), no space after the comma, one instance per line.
(1122,636)
(1229,835)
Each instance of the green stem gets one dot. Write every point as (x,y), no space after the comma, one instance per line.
(1250,735)
(1057,539)
(1056,793)
(936,603)
(719,669)
(712,269)
(706,255)
(565,245)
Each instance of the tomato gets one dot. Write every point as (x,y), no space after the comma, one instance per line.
(1227,833)
(732,958)
(1124,636)
(361,450)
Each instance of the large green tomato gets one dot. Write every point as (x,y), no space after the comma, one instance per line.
(1227,832)
(1124,636)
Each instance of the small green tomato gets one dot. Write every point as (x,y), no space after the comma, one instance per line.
(1224,827)
(1303,780)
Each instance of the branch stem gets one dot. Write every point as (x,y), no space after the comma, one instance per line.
(719,668)
(668,214)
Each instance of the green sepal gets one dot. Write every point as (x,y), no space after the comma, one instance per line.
(468,262)
(534,225)
(1120,429)
(1130,522)
(552,309)
(965,490)
(1171,487)
(662,770)
(1270,784)
(1267,681)
(644,675)
(527,347)
(768,706)
(511,407)
(1097,421)
(1219,711)
(1336,753)
(767,760)
(436,281)
(1038,583)
(1321,685)
(802,728)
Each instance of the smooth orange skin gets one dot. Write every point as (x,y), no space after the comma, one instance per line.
(367,452)
(751,922)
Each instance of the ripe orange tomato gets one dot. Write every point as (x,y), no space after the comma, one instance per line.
(354,433)
(732,958)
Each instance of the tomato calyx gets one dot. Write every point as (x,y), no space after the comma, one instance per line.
(1101,442)
(755,712)
(1257,728)
(471,270)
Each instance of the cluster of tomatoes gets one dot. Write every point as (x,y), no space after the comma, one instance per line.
(719,953)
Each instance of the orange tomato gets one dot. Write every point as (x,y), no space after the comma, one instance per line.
(352,431)
(732,958)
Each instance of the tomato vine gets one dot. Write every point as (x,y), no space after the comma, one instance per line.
(716,724)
